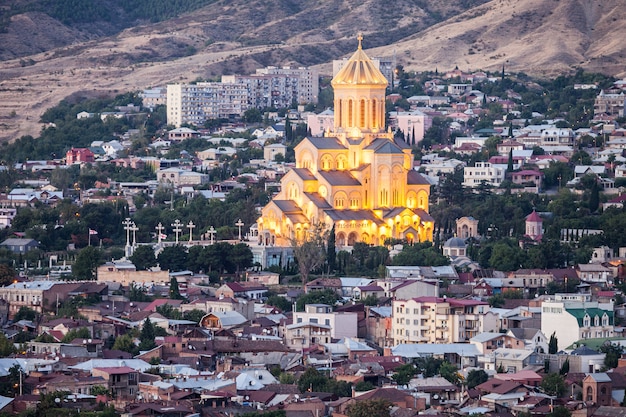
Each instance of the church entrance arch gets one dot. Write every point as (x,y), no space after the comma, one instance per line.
(352,238)
(341,239)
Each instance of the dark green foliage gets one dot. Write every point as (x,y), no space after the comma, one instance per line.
(174,290)
(370,408)
(138,293)
(449,372)
(279,301)
(25,313)
(423,254)
(565,368)
(194,315)
(7,275)
(554,384)
(167,311)
(173,258)
(6,347)
(476,377)
(313,380)
(560,411)
(331,251)
(148,333)
(428,367)
(553,344)
(82,333)
(404,373)
(326,296)
(87,260)
(143,257)
(364,386)
(613,353)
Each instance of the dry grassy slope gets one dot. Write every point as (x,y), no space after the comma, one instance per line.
(534,36)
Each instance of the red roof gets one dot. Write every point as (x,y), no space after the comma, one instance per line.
(534,217)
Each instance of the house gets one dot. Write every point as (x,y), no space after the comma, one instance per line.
(182,133)
(483,172)
(528,178)
(598,388)
(515,360)
(594,273)
(342,324)
(20,245)
(79,156)
(250,291)
(122,381)
(270,152)
(487,343)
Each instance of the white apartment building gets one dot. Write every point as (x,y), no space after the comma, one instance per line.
(177,177)
(572,317)
(304,83)
(341,324)
(556,136)
(410,122)
(440,320)
(197,103)
(483,171)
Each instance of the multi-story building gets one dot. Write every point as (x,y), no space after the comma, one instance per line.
(342,324)
(35,295)
(440,320)
(573,317)
(610,103)
(357,177)
(483,172)
(197,103)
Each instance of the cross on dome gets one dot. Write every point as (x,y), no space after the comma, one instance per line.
(359,37)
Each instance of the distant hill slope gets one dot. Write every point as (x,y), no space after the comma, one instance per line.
(66,58)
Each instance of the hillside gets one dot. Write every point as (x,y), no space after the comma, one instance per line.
(534,36)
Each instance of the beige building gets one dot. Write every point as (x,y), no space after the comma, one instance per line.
(357,177)
(440,320)
(35,295)
(125,273)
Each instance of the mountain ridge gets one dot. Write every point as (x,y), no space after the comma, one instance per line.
(539,37)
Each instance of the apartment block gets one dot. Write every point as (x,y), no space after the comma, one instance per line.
(440,320)
(197,103)
(483,171)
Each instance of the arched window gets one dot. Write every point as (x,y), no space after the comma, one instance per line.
(589,394)
(605,320)
(362,114)
(350,111)
(586,321)
(596,321)
(374,113)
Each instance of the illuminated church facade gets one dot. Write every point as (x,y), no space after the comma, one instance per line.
(356,177)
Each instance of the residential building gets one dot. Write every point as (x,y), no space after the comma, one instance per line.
(197,103)
(35,294)
(413,124)
(122,381)
(341,324)
(440,320)
(483,172)
(178,177)
(594,273)
(357,177)
(79,156)
(152,97)
(572,317)
(19,245)
(528,178)
(609,103)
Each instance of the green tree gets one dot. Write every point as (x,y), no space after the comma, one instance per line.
(420,254)
(174,290)
(279,301)
(25,313)
(331,251)
(565,368)
(312,380)
(370,408)
(173,258)
(138,293)
(553,344)
(364,386)
(6,347)
(404,373)
(86,263)
(125,343)
(612,354)
(476,377)
(496,300)
(147,336)
(143,258)
(449,372)
(82,333)
(554,384)
(194,315)
(326,296)
(7,275)
(167,311)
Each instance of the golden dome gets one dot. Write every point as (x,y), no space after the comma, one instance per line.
(359,70)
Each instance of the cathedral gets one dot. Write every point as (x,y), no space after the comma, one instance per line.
(356,177)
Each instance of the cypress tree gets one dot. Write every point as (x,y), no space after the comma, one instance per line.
(331,255)
(509,167)
(413,137)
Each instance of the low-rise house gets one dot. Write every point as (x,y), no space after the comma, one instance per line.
(594,273)
(483,172)
(122,381)
(487,343)
(20,245)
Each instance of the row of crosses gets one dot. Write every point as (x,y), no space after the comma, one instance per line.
(177,226)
